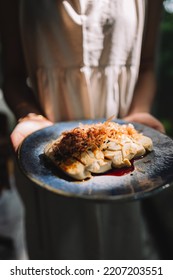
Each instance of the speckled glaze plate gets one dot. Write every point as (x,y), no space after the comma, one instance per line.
(151,174)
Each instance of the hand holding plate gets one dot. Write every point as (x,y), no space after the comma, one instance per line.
(26,126)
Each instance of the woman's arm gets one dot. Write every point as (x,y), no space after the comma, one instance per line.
(18,95)
(146,85)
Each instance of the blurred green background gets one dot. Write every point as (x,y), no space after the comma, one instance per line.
(164,98)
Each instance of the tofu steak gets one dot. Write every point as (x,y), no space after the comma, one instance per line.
(97,148)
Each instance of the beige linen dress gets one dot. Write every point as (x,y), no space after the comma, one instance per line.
(83,60)
(83,56)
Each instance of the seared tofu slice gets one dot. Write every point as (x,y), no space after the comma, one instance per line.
(74,169)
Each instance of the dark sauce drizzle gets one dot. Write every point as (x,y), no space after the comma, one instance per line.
(122,171)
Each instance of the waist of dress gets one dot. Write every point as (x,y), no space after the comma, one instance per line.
(92,67)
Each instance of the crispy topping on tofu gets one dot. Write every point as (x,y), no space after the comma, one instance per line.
(96,148)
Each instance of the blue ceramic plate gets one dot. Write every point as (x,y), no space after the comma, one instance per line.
(151,174)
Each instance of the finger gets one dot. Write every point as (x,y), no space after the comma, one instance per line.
(16,140)
(146,119)
(159,127)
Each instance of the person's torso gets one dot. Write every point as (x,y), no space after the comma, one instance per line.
(83,56)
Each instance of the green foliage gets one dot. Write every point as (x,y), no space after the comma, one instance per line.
(165,74)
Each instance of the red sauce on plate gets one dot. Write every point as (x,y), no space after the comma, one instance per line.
(122,171)
(119,171)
